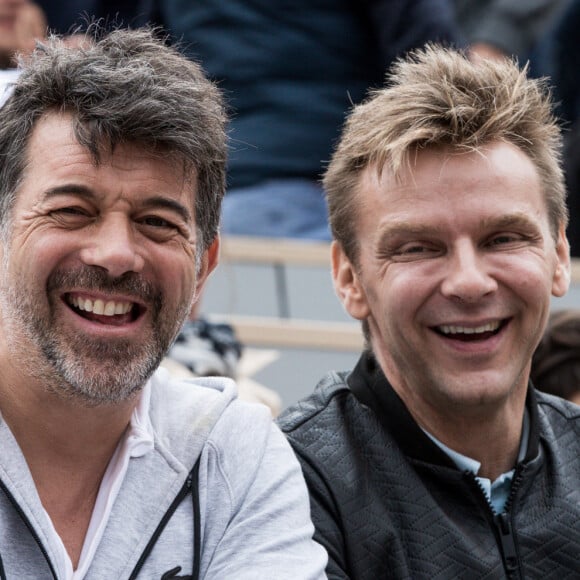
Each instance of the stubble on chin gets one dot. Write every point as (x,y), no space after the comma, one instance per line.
(88,371)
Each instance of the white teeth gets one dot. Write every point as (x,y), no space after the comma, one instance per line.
(110,308)
(489,327)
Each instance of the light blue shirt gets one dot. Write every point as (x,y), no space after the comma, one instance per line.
(497,492)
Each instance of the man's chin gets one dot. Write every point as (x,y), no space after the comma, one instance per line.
(100,391)
(103,381)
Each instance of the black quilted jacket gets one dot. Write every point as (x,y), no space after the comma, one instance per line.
(388,503)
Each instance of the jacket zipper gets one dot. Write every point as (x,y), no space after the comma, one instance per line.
(183,493)
(508,545)
(503,525)
(31,529)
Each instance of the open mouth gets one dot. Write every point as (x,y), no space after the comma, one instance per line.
(113,312)
(471,333)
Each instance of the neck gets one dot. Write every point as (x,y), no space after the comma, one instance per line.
(491,439)
(67,435)
(497,453)
(487,430)
(67,448)
(67,445)
(58,431)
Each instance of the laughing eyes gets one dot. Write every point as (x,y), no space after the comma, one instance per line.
(156,227)
(157,222)
(504,239)
(426,249)
(70,211)
(415,251)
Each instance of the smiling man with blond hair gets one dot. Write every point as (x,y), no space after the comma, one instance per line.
(435,457)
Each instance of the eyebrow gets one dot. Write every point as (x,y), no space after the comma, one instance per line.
(67,189)
(158,201)
(168,203)
(405,228)
(517,219)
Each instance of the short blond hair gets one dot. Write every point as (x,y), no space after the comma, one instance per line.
(437,97)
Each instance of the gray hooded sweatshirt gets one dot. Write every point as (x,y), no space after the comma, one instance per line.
(254,515)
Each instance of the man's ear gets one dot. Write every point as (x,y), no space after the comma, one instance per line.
(561,279)
(347,284)
(209,261)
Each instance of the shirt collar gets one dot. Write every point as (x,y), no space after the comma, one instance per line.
(139,435)
(465,463)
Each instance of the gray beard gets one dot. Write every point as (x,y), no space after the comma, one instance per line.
(89,371)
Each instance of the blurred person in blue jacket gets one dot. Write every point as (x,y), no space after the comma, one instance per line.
(290,70)
(499,28)
(557,56)
(66,17)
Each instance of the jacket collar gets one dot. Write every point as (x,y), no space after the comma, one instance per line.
(371,387)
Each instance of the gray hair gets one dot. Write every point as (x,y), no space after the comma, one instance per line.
(126,87)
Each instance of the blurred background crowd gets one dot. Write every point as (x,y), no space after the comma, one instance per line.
(291,69)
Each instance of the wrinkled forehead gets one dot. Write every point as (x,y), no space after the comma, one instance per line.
(102,146)
(442,164)
(451,181)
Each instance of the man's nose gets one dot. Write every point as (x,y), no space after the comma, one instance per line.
(113,247)
(467,277)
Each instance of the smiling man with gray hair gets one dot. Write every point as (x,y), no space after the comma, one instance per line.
(112,171)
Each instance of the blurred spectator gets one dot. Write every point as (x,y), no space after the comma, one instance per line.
(572,173)
(499,28)
(66,17)
(21,23)
(557,55)
(290,70)
(556,362)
